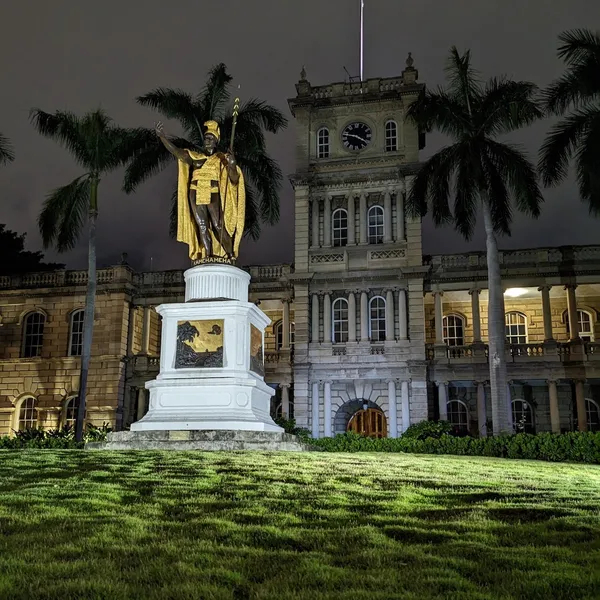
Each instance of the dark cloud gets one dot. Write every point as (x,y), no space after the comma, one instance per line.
(77,56)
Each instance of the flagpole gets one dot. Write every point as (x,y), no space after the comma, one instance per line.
(362,21)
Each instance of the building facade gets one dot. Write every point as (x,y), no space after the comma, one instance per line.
(367,333)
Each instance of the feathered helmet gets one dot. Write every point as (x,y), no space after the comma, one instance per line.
(212,127)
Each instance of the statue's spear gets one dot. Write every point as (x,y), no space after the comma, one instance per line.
(236,109)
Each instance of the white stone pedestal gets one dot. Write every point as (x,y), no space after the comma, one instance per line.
(212,358)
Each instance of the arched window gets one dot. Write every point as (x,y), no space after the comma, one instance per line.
(377,319)
(391,136)
(339,223)
(76,333)
(592,410)
(586,325)
(33,334)
(516,328)
(323,143)
(279,334)
(522,415)
(458,415)
(454,330)
(340,321)
(70,412)
(375,224)
(28,414)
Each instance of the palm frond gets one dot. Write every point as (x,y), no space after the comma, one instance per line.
(173,104)
(577,86)
(579,44)
(262,115)
(63,214)
(466,192)
(587,160)
(560,143)
(507,106)
(463,80)
(65,128)
(215,94)
(496,194)
(6,151)
(252,226)
(519,175)
(439,110)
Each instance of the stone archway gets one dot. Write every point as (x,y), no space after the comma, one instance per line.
(353,416)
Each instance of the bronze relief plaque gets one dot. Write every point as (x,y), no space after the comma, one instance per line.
(199,344)
(256,351)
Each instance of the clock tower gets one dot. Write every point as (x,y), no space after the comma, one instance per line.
(359,356)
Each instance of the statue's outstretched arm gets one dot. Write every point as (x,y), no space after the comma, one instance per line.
(178,153)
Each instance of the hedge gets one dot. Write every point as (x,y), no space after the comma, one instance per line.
(53,439)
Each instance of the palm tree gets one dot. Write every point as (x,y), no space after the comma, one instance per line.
(577,93)
(99,148)
(481,174)
(6,151)
(262,174)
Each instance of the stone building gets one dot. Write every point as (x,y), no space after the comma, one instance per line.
(367,333)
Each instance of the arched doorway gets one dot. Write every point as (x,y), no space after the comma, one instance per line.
(370,422)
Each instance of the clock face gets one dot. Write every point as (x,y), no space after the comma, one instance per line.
(356,136)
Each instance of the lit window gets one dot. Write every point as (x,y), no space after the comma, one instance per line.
(28,414)
(323,143)
(391,136)
(516,328)
(340,227)
(33,334)
(279,334)
(522,415)
(71,409)
(340,321)
(454,330)
(458,415)
(377,319)
(586,325)
(76,333)
(593,415)
(376,225)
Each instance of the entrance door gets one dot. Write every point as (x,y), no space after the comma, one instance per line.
(370,422)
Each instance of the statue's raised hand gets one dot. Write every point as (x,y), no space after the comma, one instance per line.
(159,128)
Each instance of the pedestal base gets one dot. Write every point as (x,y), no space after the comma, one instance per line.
(213,441)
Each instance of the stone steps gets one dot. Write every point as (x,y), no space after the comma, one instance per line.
(215,440)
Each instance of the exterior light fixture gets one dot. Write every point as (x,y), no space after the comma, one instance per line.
(365,405)
(515,292)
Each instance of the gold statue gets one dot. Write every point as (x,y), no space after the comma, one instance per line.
(211,199)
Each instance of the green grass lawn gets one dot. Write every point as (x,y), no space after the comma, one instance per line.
(312,526)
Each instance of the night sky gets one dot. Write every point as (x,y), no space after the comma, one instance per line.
(74,55)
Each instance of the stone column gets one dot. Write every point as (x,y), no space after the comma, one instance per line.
(362,218)
(439,317)
(582,423)
(315,409)
(392,411)
(141,403)
(554,412)
(285,324)
(476,315)
(572,312)
(285,400)
(442,400)
(327,408)
(481,411)
(351,317)
(327,222)
(387,218)
(364,317)
(315,223)
(389,316)
(509,407)
(547,312)
(315,318)
(402,315)
(400,229)
(351,226)
(327,319)
(405,405)
(146,330)
(131,330)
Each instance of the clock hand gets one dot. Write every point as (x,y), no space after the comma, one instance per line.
(356,136)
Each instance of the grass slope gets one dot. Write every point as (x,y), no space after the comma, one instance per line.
(277,526)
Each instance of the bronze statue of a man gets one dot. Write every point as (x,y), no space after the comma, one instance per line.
(211,198)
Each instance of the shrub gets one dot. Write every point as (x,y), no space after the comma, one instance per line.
(53,439)
(428,429)
(289,426)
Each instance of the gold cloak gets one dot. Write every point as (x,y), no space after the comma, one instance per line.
(233,205)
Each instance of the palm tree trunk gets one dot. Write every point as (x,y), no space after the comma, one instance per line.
(501,416)
(88,316)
